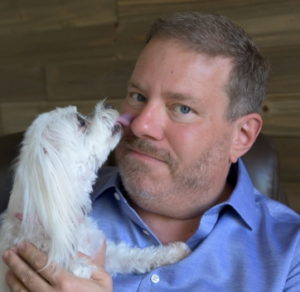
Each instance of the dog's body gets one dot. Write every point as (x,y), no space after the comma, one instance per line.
(60,155)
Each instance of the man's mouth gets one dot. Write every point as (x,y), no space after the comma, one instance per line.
(148,155)
(143,154)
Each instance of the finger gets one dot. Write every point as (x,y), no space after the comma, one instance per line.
(38,260)
(103,278)
(13,283)
(24,273)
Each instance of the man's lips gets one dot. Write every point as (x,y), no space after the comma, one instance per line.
(144,154)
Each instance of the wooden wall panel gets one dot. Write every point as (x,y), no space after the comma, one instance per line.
(136,9)
(22,82)
(281,115)
(253,15)
(88,80)
(58,46)
(285,72)
(272,24)
(130,38)
(36,15)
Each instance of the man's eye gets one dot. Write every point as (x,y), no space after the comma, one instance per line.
(138,97)
(81,121)
(183,109)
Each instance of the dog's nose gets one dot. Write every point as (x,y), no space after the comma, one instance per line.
(108,106)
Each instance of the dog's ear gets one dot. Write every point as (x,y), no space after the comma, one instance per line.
(44,183)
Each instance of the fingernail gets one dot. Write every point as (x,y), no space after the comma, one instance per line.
(6,254)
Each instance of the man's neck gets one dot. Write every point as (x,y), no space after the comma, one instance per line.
(169,229)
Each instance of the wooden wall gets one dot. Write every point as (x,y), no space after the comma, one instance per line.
(56,52)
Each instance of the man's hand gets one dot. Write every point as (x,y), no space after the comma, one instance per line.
(25,273)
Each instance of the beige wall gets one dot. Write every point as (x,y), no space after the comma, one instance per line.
(75,52)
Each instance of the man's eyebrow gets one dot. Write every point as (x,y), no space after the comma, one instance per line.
(182,97)
(176,96)
(133,84)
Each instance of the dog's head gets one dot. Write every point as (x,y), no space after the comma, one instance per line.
(78,140)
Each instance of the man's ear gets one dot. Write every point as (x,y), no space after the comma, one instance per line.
(246,130)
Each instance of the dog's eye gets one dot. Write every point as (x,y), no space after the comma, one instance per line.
(81,121)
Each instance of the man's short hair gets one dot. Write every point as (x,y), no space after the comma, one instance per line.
(217,35)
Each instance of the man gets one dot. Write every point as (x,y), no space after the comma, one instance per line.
(193,104)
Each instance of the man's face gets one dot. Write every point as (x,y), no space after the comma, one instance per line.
(175,154)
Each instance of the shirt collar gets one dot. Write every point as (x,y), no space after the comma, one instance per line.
(107,177)
(242,199)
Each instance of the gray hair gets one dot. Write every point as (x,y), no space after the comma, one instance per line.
(217,35)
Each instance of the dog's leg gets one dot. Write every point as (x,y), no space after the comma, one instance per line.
(123,259)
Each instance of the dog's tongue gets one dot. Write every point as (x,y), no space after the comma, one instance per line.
(125,119)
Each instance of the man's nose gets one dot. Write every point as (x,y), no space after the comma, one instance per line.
(149,122)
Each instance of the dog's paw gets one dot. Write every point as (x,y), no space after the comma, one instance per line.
(81,268)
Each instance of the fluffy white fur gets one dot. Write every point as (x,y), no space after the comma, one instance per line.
(60,155)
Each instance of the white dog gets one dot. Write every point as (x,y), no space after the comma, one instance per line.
(60,155)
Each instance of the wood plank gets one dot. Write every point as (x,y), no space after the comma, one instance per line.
(130,39)
(134,8)
(285,71)
(270,21)
(272,24)
(22,82)
(279,43)
(281,114)
(238,10)
(58,45)
(36,15)
(27,111)
(88,80)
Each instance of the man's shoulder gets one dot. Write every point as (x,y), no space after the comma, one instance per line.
(277,212)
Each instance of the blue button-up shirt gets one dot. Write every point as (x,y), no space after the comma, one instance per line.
(248,243)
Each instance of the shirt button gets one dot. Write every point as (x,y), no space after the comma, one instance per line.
(117,196)
(155,278)
(146,232)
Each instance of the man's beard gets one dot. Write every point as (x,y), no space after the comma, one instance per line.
(141,183)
